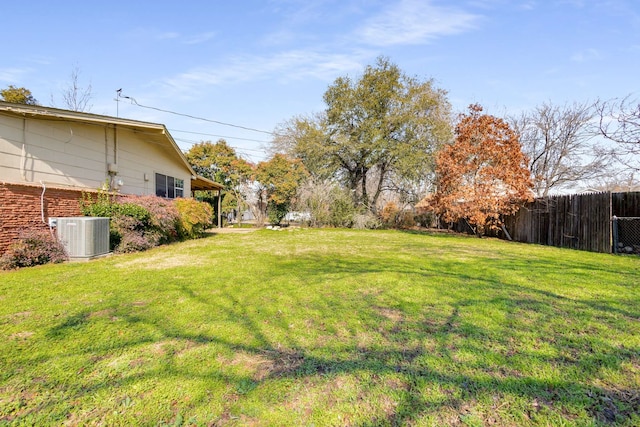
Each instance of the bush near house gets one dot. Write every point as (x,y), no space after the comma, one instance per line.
(164,216)
(131,228)
(140,223)
(195,217)
(34,247)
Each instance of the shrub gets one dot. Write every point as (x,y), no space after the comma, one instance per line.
(342,210)
(130,235)
(195,217)
(276,212)
(164,216)
(140,223)
(102,205)
(319,212)
(326,204)
(129,219)
(133,242)
(131,227)
(133,210)
(407,219)
(394,217)
(426,219)
(390,214)
(366,220)
(106,205)
(34,247)
(314,198)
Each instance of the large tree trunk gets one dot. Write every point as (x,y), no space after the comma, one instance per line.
(363,181)
(376,195)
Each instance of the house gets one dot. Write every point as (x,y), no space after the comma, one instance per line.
(49,157)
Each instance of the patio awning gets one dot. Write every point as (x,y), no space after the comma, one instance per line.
(200,183)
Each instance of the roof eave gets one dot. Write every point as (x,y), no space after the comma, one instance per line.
(50,112)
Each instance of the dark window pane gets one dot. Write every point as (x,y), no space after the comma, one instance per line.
(161,185)
(171,193)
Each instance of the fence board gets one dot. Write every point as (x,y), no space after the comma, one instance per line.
(580,221)
(625,204)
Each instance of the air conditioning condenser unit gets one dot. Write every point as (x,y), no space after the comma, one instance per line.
(84,237)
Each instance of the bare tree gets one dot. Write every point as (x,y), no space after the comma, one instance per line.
(621,182)
(558,141)
(75,96)
(256,198)
(619,121)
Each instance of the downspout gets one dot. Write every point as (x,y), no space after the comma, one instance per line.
(106,152)
(115,144)
(112,174)
(44,188)
(23,155)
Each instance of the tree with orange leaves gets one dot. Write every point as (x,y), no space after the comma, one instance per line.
(483,174)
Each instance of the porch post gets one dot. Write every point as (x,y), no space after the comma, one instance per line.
(219,209)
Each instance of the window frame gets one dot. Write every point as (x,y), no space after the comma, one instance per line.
(168,187)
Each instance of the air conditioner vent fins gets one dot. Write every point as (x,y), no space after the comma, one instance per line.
(84,237)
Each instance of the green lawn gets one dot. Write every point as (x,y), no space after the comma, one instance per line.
(324,327)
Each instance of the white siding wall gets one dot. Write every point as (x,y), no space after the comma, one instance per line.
(77,155)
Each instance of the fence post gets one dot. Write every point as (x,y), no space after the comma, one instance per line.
(614,229)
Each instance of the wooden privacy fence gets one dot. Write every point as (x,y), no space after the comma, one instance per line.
(579,221)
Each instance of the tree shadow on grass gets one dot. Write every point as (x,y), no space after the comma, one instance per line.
(401,356)
(422,345)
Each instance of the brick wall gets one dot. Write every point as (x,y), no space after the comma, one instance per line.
(21,208)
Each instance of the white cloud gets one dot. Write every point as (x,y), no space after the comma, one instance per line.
(13,75)
(40,60)
(280,67)
(154,35)
(575,3)
(587,55)
(145,34)
(280,37)
(167,35)
(414,22)
(528,5)
(301,12)
(200,38)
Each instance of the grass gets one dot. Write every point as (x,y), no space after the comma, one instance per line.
(324,327)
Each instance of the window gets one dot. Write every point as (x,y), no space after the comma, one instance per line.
(161,185)
(169,187)
(179,185)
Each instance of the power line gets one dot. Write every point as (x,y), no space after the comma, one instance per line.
(133,100)
(242,152)
(220,136)
(193,142)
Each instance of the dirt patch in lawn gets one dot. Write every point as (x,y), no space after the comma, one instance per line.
(390,313)
(162,261)
(230,230)
(267,363)
(21,335)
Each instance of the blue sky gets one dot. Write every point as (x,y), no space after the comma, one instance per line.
(258,63)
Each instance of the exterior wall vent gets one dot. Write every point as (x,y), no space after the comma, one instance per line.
(84,237)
